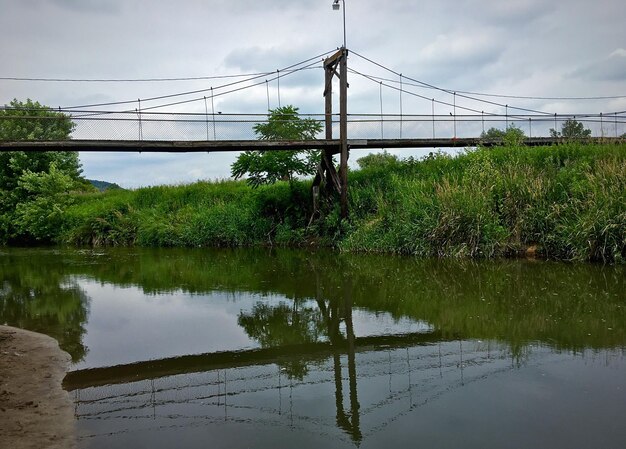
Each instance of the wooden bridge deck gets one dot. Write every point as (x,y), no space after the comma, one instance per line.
(180,146)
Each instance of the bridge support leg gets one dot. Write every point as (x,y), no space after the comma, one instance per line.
(335,182)
(343,130)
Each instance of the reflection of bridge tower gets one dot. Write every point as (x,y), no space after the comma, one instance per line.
(334,314)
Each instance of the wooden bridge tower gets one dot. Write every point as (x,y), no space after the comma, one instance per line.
(335,182)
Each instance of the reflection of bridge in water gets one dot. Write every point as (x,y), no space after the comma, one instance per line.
(359,397)
(355,385)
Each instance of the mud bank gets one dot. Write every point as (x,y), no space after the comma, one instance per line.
(35,412)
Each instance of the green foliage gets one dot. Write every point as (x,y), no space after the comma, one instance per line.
(511,136)
(381,160)
(571,129)
(228,213)
(32,121)
(23,186)
(567,202)
(267,167)
(40,214)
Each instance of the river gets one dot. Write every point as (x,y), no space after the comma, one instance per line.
(292,348)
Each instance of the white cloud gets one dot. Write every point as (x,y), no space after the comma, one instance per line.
(520,47)
(609,69)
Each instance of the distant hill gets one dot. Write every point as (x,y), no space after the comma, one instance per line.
(103,185)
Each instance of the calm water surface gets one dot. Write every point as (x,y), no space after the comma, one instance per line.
(259,348)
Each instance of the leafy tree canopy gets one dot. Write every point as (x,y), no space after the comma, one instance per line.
(571,129)
(511,136)
(28,175)
(382,160)
(40,213)
(267,167)
(30,120)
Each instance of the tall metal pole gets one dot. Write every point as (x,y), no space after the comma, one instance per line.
(343,130)
(336,7)
(343,3)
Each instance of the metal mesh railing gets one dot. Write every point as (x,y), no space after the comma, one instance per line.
(152,126)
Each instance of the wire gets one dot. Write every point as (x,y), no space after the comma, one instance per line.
(290,72)
(523,97)
(415,94)
(128,80)
(161,97)
(446,90)
(96,113)
(520,97)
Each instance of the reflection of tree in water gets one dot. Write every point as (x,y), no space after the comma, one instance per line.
(284,325)
(569,306)
(36,295)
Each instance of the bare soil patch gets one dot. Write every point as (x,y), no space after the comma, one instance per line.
(35,411)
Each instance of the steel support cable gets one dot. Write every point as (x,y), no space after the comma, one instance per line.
(129,80)
(375,117)
(432,100)
(356,72)
(288,72)
(155,113)
(230,91)
(161,97)
(92,114)
(456,94)
(519,97)
(530,97)
(478,118)
(401,105)
(222,86)
(278,82)
(446,90)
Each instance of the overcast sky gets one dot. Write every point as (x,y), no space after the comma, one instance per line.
(565,48)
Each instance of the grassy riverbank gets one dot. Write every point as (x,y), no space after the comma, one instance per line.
(565,202)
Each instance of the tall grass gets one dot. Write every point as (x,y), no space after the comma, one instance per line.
(217,214)
(565,202)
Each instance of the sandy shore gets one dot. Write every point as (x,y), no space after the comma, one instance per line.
(35,412)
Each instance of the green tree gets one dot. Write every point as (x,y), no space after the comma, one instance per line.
(40,214)
(31,121)
(571,129)
(511,136)
(375,160)
(267,167)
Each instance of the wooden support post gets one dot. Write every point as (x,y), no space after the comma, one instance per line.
(328,101)
(326,170)
(332,179)
(343,130)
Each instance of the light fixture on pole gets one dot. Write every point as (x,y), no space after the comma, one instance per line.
(336,8)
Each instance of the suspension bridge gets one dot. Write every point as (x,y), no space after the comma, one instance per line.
(412,114)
